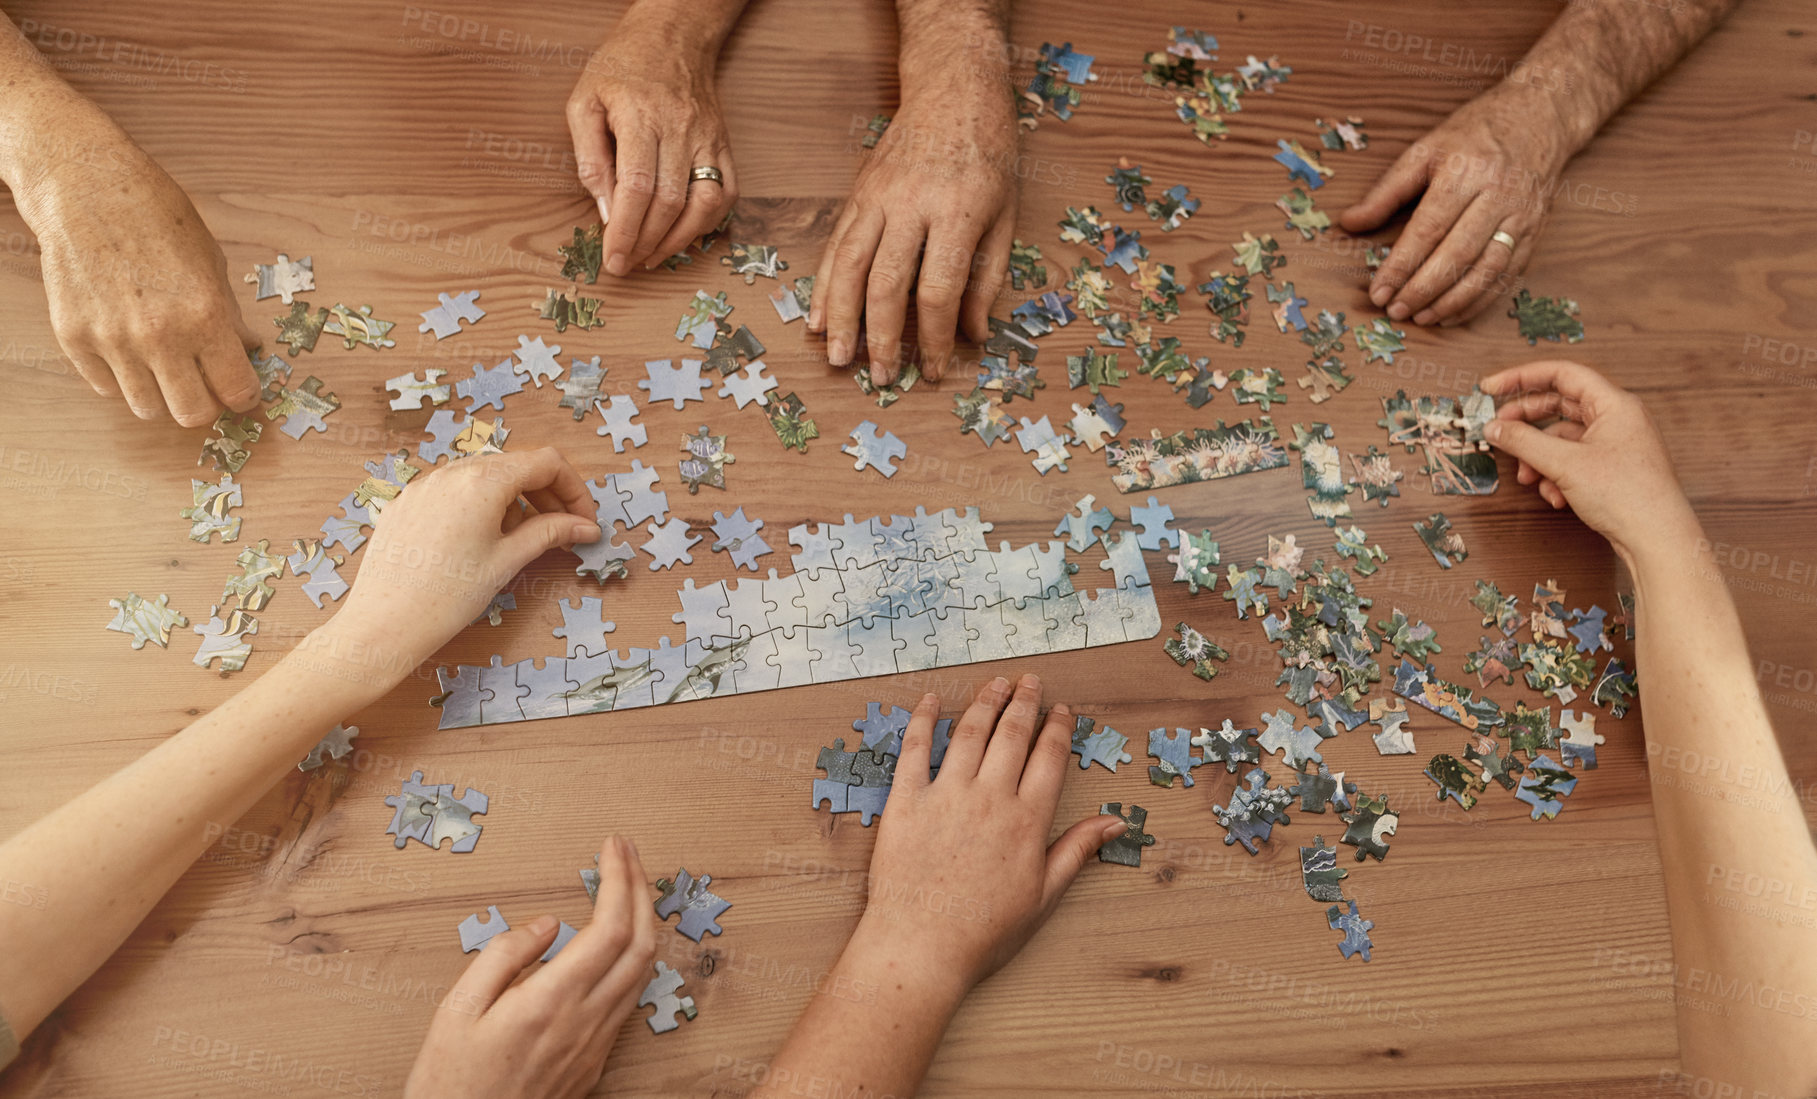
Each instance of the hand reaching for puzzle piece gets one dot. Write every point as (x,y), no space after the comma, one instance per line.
(547,1036)
(932,211)
(963,873)
(1590,444)
(1490,167)
(138,290)
(643,116)
(442,550)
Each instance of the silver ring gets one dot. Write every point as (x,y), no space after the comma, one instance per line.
(1501,237)
(707,172)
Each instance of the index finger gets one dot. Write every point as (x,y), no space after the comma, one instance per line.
(589,955)
(913,764)
(545,470)
(1572,379)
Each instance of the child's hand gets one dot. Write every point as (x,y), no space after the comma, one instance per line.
(452,540)
(643,116)
(1597,449)
(963,874)
(549,1035)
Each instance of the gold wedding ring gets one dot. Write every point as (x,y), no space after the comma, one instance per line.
(707,171)
(1501,237)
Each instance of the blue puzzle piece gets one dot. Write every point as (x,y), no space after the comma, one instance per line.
(1298,167)
(1174,750)
(1355,928)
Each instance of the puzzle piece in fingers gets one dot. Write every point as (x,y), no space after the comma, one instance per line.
(1126,848)
(700,908)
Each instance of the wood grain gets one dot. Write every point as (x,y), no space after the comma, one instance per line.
(409,162)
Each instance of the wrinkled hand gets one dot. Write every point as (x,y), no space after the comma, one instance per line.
(138,287)
(963,875)
(643,116)
(1491,166)
(547,1037)
(1589,444)
(933,211)
(453,539)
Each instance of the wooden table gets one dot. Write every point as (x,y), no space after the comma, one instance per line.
(408,154)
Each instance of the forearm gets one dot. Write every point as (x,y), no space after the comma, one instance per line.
(871,1029)
(1598,55)
(697,28)
(948,42)
(1731,827)
(102,861)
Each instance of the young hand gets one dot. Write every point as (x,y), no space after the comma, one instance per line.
(1595,448)
(454,538)
(547,1037)
(932,211)
(1489,167)
(138,290)
(963,873)
(643,115)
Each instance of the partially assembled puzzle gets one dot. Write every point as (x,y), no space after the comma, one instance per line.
(866,597)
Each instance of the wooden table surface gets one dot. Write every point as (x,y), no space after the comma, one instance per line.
(409,154)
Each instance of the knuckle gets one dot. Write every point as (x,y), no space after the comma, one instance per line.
(886,282)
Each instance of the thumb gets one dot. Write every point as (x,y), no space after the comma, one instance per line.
(1067,855)
(503,957)
(1405,178)
(545,531)
(1548,454)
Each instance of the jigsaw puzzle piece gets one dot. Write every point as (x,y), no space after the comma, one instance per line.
(546,689)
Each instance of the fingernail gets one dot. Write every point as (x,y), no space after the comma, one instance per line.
(838,352)
(1030,680)
(604,217)
(541,925)
(585,532)
(1381,293)
(1398,311)
(1424,317)
(617,265)
(998,685)
(813,320)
